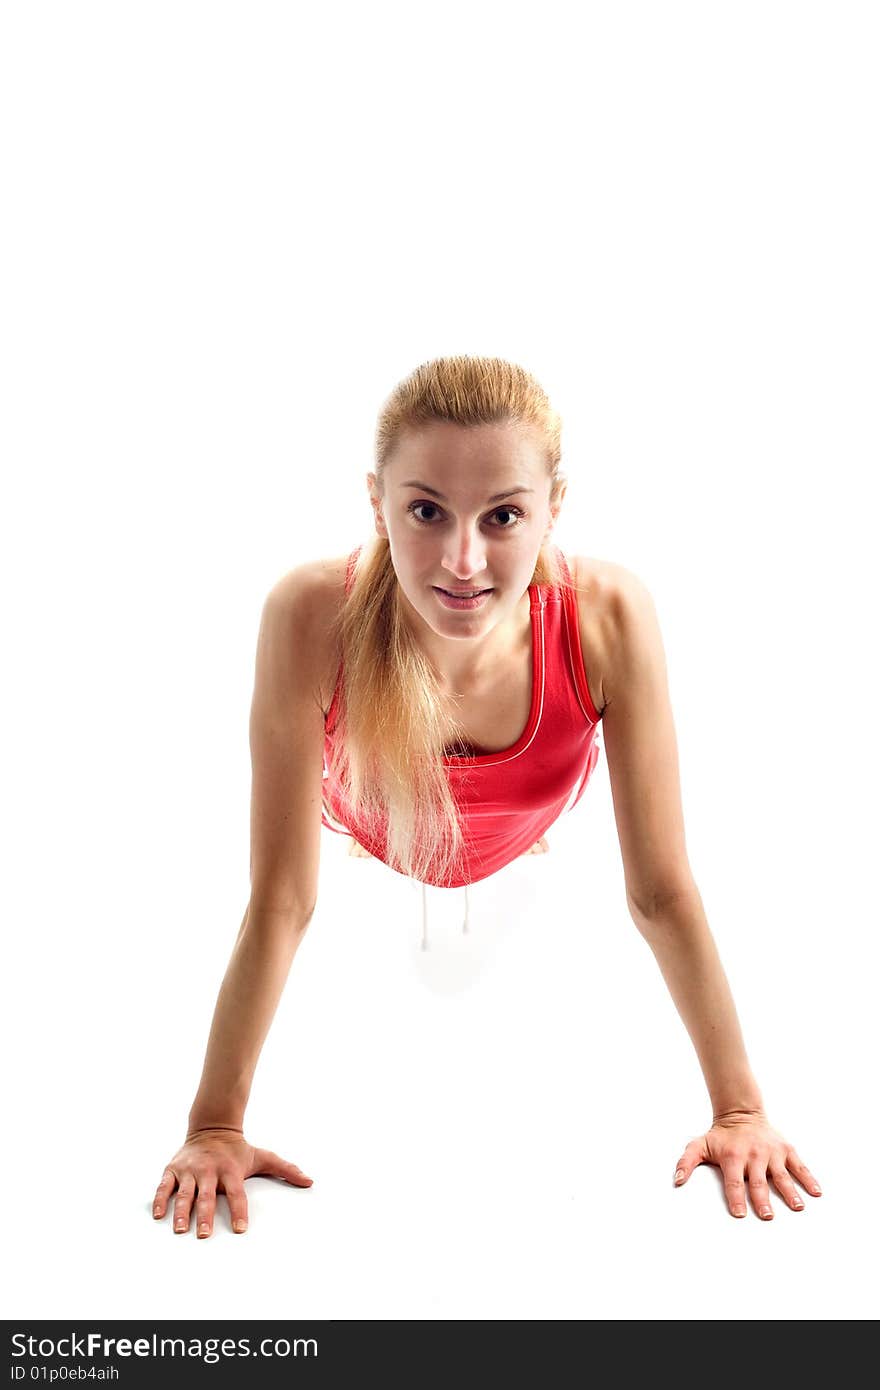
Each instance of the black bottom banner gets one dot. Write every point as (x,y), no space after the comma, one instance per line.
(143,1353)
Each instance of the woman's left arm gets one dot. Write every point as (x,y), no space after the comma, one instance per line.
(741,1141)
(665,904)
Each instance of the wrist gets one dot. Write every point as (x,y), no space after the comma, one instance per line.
(199,1131)
(199,1120)
(746,1107)
(738,1099)
(739,1112)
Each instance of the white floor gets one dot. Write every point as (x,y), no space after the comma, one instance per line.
(492,1125)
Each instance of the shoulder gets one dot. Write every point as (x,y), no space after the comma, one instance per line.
(614,605)
(304,604)
(310,580)
(641,748)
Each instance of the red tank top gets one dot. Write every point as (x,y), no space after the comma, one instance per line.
(509,799)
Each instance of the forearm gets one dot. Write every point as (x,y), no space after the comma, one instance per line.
(685,951)
(246,1004)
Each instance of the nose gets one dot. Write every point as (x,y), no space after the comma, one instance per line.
(464,554)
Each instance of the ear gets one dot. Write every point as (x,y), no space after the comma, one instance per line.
(376,504)
(555,509)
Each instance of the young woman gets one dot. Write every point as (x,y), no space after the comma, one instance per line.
(437,696)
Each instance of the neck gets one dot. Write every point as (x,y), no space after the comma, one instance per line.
(463,665)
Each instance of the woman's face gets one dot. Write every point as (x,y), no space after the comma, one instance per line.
(464,509)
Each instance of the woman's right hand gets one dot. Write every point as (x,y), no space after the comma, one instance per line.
(212,1161)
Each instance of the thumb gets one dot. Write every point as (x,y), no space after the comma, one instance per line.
(693,1156)
(267,1162)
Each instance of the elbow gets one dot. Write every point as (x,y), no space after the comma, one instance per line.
(292,918)
(651,905)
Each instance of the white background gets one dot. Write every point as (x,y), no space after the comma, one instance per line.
(229,230)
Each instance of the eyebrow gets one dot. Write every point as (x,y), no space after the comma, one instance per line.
(499,496)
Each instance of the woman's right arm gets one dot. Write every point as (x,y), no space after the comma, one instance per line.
(286,741)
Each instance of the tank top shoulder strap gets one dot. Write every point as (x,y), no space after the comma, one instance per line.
(569,608)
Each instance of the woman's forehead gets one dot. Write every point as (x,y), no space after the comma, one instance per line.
(464,454)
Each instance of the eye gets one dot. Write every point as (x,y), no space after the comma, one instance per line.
(414,507)
(507,511)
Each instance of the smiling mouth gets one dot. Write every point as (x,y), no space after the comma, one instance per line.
(462,593)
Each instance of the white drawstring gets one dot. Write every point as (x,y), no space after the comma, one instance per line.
(465,926)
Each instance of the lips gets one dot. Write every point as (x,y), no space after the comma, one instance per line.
(462,593)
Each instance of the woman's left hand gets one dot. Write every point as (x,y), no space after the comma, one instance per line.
(746,1149)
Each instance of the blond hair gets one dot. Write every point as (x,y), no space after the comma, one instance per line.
(393,726)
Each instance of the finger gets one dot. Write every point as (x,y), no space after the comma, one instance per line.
(163,1192)
(238,1207)
(800,1170)
(205,1207)
(733,1170)
(183,1203)
(268,1163)
(692,1157)
(758,1187)
(786,1188)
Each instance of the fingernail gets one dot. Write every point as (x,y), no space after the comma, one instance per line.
(798,1204)
(818,1191)
(239,1226)
(203,1229)
(765,1212)
(180,1225)
(157,1211)
(679,1175)
(739,1211)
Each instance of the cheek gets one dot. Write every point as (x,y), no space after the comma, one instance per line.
(526,545)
